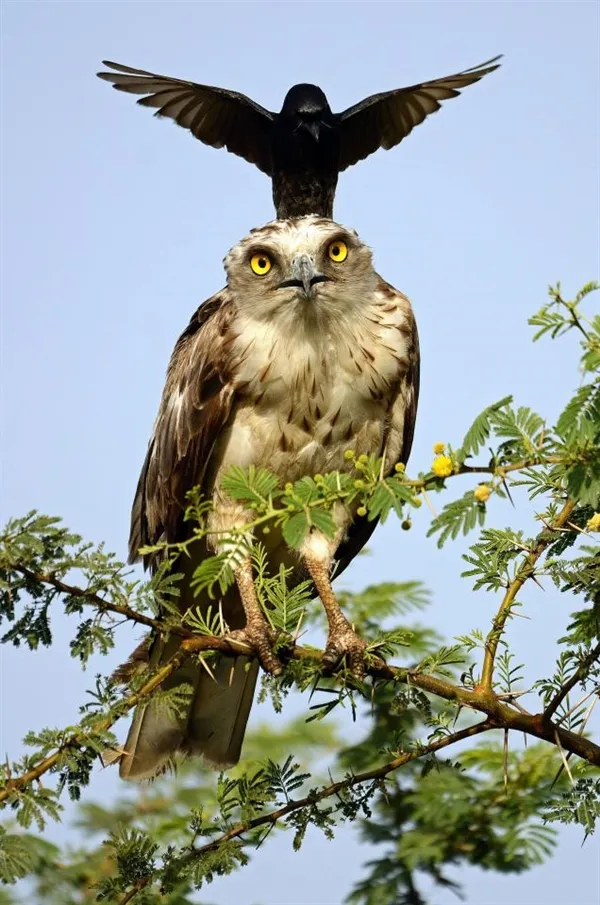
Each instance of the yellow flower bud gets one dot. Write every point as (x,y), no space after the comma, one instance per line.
(318,478)
(364,459)
(361,511)
(593,523)
(289,487)
(482,493)
(359,484)
(349,454)
(442,466)
(400,467)
(417,503)
(439,448)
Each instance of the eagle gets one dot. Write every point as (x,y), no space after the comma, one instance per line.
(306,353)
(305,146)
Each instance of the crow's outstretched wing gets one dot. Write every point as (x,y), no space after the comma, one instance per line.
(383,120)
(216,116)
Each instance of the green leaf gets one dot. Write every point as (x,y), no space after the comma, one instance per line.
(322,520)
(212,571)
(295,529)
(252,486)
(389,494)
(480,430)
(16,856)
(459,515)
(580,804)
(523,426)
(580,419)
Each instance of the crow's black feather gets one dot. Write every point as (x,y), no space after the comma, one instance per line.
(305,146)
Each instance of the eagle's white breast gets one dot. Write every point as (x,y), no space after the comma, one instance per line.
(308,394)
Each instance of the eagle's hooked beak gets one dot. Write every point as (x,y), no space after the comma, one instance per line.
(304,275)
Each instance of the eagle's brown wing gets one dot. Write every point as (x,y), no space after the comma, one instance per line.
(195,406)
(383,120)
(216,116)
(401,420)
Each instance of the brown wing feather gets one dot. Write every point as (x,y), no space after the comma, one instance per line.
(195,406)
(383,120)
(216,116)
(407,396)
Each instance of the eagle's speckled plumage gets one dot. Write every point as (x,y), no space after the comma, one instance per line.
(267,375)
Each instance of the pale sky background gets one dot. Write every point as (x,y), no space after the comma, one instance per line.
(114,229)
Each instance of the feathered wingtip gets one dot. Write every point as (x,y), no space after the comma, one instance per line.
(136,662)
(110,757)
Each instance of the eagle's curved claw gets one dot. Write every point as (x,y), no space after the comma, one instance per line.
(260,638)
(345,643)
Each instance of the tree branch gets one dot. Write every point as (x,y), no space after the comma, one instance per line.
(526,571)
(273,817)
(127,703)
(578,675)
(91,598)
(500,714)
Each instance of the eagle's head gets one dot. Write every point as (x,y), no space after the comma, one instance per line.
(306,269)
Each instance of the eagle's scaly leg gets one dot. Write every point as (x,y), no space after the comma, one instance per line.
(257,633)
(342,639)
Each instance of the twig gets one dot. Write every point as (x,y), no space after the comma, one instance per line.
(17,782)
(141,884)
(273,817)
(93,599)
(577,676)
(336,787)
(526,571)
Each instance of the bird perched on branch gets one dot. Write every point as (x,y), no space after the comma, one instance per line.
(307,353)
(305,146)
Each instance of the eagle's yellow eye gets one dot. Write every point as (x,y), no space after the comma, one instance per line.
(338,251)
(260,264)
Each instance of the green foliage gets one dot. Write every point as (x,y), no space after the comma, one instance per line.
(16,856)
(493,555)
(580,804)
(424,813)
(459,515)
(479,432)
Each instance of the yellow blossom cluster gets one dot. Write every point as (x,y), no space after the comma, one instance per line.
(442,466)
(593,523)
(482,493)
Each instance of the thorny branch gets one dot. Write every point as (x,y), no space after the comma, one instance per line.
(526,571)
(90,597)
(126,704)
(273,817)
(579,674)
(500,714)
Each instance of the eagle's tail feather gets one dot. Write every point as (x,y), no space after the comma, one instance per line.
(220,711)
(213,726)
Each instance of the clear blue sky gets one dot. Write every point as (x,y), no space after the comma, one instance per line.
(114,228)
